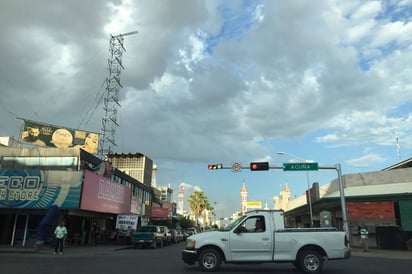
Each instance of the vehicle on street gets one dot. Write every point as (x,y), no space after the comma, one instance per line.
(190,231)
(176,236)
(167,235)
(148,236)
(260,236)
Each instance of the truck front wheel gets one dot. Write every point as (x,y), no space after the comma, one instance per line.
(209,260)
(310,261)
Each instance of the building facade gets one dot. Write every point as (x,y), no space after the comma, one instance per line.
(135,165)
(40,186)
(381,200)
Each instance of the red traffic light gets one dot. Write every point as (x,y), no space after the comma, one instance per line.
(254,166)
(217,166)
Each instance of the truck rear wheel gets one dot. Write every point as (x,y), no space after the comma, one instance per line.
(209,260)
(310,261)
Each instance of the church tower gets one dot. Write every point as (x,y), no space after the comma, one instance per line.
(243,198)
(282,201)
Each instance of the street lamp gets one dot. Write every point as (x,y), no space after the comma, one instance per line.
(307,179)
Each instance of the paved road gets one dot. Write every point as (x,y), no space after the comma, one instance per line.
(166,260)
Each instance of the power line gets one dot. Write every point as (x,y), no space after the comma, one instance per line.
(97,99)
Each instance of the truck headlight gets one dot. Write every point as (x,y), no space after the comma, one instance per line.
(190,244)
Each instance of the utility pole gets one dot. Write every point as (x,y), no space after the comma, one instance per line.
(111,99)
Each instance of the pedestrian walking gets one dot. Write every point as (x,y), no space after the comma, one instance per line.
(363,231)
(60,233)
(95,234)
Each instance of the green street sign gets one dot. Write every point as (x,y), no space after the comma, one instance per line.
(300,166)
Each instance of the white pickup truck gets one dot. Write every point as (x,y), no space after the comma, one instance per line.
(260,236)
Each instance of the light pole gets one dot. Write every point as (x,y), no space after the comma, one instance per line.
(214,211)
(307,180)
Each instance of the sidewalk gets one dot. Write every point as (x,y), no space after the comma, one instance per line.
(78,249)
(383,253)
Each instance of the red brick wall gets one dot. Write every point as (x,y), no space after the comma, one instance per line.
(370,210)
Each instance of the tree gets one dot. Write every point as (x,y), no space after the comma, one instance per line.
(197,204)
(186,223)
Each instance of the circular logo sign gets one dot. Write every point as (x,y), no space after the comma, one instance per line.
(236,167)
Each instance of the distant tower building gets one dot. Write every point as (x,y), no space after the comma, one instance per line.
(180,199)
(243,198)
(165,193)
(154,170)
(136,165)
(282,201)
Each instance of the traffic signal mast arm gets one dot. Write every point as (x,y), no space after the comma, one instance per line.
(257,166)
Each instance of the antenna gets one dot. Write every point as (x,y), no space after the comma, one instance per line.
(111,99)
(398,146)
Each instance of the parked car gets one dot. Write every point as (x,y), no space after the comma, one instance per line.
(185,234)
(148,236)
(176,236)
(181,235)
(167,240)
(191,231)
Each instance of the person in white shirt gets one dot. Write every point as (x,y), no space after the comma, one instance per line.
(60,233)
(363,231)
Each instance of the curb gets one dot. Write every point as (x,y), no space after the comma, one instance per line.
(383,253)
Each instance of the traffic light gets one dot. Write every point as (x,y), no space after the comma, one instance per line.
(254,166)
(217,166)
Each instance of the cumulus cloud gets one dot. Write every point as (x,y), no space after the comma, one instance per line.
(226,80)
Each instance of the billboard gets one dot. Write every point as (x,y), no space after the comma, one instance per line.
(160,212)
(102,195)
(41,134)
(36,188)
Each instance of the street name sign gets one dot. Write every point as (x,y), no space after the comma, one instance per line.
(300,166)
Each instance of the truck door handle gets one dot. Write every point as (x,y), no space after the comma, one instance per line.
(224,240)
(265,239)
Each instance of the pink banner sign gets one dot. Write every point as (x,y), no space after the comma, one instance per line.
(102,195)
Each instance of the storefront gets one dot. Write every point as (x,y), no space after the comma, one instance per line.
(41,186)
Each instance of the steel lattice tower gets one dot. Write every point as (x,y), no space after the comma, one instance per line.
(111,100)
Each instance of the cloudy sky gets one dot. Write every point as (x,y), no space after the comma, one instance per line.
(220,82)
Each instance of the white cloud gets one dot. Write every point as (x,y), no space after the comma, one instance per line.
(202,82)
(367,10)
(195,52)
(366,160)
(393,32)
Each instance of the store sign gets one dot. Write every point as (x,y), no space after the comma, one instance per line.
(102,195)
(40,188)
(160,212)
(253,204)
(127,222)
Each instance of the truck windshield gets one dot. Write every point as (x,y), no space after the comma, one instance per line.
(146,229)
(234,223)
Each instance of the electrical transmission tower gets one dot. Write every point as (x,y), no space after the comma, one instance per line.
(111,99)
